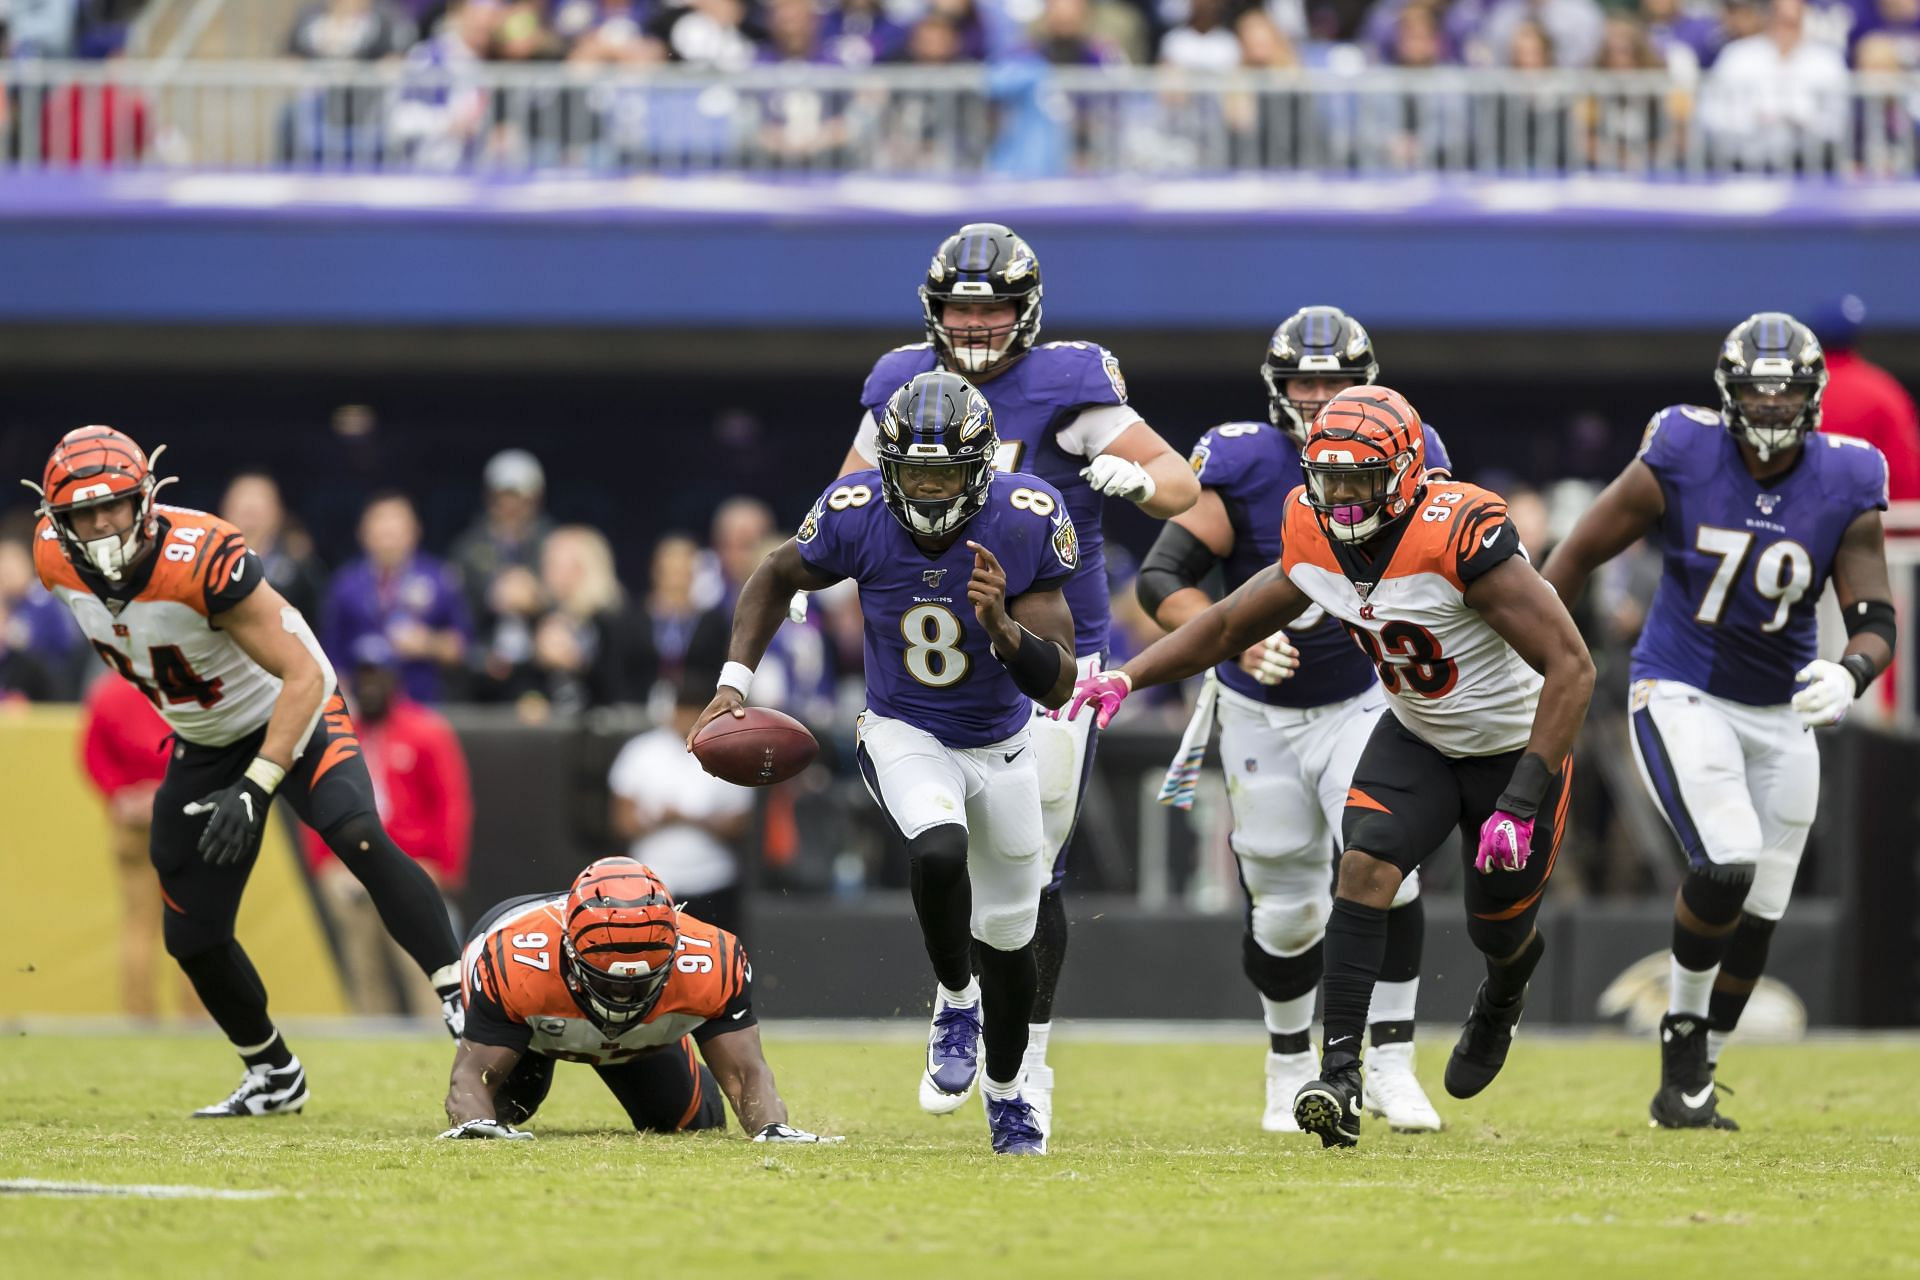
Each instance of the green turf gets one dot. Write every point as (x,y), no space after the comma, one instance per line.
(1159,1168)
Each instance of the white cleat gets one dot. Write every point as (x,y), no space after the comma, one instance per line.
(263,1091)
(1393,1093)
(1287,1074)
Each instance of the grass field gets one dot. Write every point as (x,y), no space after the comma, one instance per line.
(1159,1168)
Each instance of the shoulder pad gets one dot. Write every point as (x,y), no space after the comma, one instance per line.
(1075,373)
(894,370)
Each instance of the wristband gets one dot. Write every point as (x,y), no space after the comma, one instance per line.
(1862,669)
(737,676)
(1034,666)
(1527,788)
(265,774)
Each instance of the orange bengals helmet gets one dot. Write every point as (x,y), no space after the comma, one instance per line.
(622,933)
(1365,458)
(91,466)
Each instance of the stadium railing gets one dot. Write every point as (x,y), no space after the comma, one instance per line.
(1014,119)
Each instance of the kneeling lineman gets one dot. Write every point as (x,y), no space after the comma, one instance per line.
(611,973)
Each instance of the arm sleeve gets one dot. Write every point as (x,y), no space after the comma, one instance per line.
(1095,428)
(488,1021)
(1487,538)
(1437,456)
(737,1013)
(232,574)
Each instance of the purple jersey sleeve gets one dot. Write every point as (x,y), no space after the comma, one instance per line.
(1437,457)
(1673,439)
(1225,456)
(1861,477)
(1081,374)
(829,538)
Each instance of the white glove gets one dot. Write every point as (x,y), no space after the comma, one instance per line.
(1118,478)
(1829,693)
(486,1129)
(777,1132)
(797,607)
(1272,660)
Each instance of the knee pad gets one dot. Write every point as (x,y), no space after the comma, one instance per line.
(187,937)
(942,849)
(1280,977)
(1408,891)
(1005,928)
(1500,937)
(1715,892)
(358,838)
(1288,927)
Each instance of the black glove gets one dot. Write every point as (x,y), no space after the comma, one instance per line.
(239,819)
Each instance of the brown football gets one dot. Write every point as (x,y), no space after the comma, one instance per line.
(755,750)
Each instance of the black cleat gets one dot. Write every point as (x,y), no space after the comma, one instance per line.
(1485,1038)
(1330,1107)
(1688,1096)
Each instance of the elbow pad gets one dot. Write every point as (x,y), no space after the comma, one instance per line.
(1176,561)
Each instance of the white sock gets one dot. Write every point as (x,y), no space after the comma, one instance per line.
(1000,1092)
(1716,1041)
(1688,990)
(1288,1017)
(1037,1034)
(1393,1001)
(971,996)
(447,975)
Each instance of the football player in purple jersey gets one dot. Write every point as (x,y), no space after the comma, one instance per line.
(1061,412)
(1755,511)
(961,568)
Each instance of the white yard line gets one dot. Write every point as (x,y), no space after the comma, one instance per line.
(133,1191)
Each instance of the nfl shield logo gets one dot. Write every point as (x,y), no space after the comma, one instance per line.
(932,578)
(1766,502)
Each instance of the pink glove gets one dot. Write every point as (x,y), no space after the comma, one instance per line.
(1104,690)
(1505,842)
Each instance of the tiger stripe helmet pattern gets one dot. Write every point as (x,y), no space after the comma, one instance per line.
(622,933)
(90,466)
(1365,462)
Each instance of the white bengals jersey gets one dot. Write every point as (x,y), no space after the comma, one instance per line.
(1450,678)
(154,626)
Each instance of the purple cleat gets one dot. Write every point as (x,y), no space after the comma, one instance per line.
(1015,1127)
(953,1057)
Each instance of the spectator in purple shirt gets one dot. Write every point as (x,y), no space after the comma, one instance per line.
(40,626)
(858,33)
(1685,36)
(397,591)
(1065,37)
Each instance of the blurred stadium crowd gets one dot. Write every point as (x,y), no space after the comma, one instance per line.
(1683,37)
(1730,84)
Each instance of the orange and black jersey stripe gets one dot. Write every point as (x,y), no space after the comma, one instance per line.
(1456,530)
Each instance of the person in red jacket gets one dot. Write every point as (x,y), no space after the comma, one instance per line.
(420,784)
(123,748)
(1865,401)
